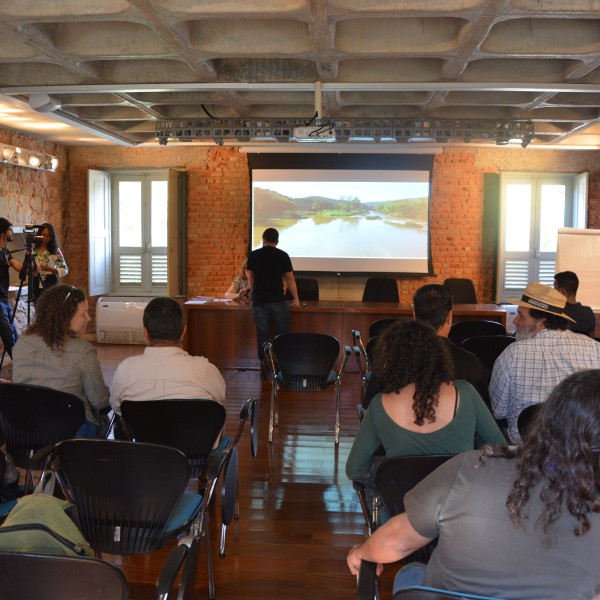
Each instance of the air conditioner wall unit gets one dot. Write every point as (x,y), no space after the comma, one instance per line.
(119,319)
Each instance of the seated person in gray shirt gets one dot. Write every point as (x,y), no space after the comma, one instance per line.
(52,353)
(518,524)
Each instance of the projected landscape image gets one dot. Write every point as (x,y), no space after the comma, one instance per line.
(346,219)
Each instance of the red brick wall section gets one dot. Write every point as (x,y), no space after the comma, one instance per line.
(218,204)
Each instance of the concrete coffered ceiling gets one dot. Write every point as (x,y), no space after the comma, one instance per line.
(90,71)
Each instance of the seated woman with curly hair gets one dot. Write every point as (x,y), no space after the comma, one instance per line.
(51,353)
(421,409)
(515,523)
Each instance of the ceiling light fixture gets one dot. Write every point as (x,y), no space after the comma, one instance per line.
(30,159)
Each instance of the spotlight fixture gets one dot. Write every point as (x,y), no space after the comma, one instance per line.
(30,159)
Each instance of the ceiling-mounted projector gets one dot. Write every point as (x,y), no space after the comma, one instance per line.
(314,133)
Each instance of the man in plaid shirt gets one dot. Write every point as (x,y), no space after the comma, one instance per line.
(544,354)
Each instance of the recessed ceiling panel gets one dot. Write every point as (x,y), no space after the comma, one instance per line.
(391,69)
(399,36)
(249,37)
(544,36)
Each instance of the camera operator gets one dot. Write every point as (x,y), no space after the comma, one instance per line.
(8,331)
(49,260)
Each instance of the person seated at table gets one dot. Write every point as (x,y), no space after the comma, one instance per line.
(421,408)
(239,288)
(52,353)
(519,523)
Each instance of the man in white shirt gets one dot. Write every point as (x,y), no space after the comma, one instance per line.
(545,353)
(165,371)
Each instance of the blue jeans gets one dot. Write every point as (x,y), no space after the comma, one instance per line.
(8,332)
(275,314)
(411,574)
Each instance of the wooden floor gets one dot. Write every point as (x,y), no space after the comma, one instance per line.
(299,513)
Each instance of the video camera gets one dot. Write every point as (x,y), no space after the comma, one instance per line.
(31,235)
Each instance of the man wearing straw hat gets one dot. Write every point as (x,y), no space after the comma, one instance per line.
(544,354)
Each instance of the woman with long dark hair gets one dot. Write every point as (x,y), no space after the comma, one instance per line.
(49,260)
(52,353)
(519,524)
(422,409)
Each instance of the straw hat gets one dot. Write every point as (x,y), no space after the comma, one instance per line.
(539,296)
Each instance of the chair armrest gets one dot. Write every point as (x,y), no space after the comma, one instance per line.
(347,353)
(169,571)
(268,354)
(249,409)
(367,581)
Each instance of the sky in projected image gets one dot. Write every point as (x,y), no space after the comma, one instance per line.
(385,218)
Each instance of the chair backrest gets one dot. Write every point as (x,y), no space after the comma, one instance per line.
(526,417)
(59,578)
(462,330)
(305,360)
(396,476)
(308,289)
(191,426)
(462,290)
(381,289)
(34,417)
(124,492)
(488,348)
(378,327)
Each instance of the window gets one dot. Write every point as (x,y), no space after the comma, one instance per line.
(137,228)
(533,208)
(139,241)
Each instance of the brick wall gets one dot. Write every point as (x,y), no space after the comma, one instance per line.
(219,206)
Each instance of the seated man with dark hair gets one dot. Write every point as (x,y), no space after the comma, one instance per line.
(164,371)
(567,283)
(432,303)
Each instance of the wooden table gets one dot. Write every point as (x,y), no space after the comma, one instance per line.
(224,331)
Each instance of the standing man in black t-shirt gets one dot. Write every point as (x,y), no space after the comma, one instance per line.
(8,332)
(267,268)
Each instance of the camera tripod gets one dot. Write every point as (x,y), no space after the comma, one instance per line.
(28,268)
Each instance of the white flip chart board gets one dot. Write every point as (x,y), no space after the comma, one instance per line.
(578,250)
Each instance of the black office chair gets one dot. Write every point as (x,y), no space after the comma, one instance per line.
(526,418)
(304,362)
(378,327)
(193,426)
(488,348)
(33,419)
(308,289)
(462,290)
(130,498)
(381,289)
(37,576)
(394,478)
(462,330)
(368,589)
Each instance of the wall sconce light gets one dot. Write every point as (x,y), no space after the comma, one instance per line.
(30,159)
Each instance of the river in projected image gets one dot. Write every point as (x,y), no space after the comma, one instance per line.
(350,236)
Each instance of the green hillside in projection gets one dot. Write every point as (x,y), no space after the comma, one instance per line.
(273,205)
